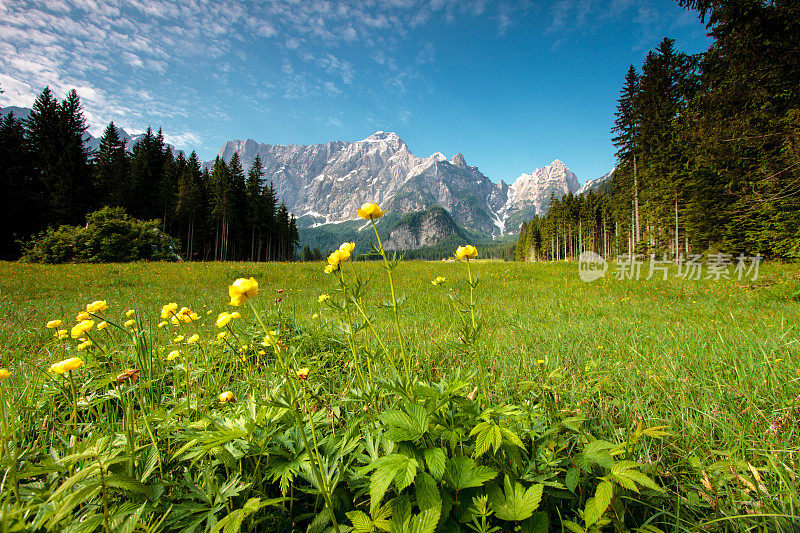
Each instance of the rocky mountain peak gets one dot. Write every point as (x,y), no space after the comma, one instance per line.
(458,160)
(390,138)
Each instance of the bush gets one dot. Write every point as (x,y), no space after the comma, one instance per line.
(110,235)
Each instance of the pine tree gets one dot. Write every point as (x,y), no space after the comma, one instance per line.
(111,169)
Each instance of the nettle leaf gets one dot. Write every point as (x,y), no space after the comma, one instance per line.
(427,492)
(408,425)
(425,522)
(361,521)
(517,503)
(395,467)
(571,480)
(462,473)
(603,495)
(435,459)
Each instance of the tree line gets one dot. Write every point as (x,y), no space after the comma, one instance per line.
(708,148)
(49,177)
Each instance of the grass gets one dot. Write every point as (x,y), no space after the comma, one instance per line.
(717,364)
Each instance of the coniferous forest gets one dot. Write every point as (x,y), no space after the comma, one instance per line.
(708,149)
(49,178)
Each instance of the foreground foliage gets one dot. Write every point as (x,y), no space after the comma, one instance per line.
(349,423)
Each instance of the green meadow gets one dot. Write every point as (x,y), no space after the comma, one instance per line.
(617,405)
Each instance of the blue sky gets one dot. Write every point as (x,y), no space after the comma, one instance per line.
(511,85)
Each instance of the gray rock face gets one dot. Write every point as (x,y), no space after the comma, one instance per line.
(424,228)
(595,184)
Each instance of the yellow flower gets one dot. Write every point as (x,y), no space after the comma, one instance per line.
(439,280)
(193,339)
(129,313)
(370,211)
(338,256)
(81,328)
(174,354)
(54,323)
(96,306)
(303,373)
(85,344)
(179,338)
(83,315)
(129,323)
(163,324)
(241,290)
(235,314)
(331,268)
(167,310)
(226,397)
(323,297)
(222,334)
(466,252)
(4,374)
(194,316)
(73,363)
(223,319)
(102,325)
(315,315)
(61,334)
(347,247)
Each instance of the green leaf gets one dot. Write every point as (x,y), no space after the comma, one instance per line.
(572,526)
(435,459)
(591,514)
(602,496)
(462,473)
(361,521)
(571,480)
(537,523)
(427,492)
(425,522)
(516,504)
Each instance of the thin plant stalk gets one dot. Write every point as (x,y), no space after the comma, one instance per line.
(394,303)
(481,362)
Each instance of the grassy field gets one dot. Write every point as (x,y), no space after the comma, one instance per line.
(592,368)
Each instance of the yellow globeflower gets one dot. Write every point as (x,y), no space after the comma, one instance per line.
(223,319)
(235,314)
(466,252)
(61,334)
(222,334)
(168,310)
(323,297)
(337,256)
(102,325)
(129,313)
(81,328)
(303,373)
(226,397)
(174,354)
(4,374)
(54,323)
(85,344)
(439,280)
(370,211)
(347,247)
(193,339)
(129,323)
(179,338)
(96,306)
(194,316)
(73,363)
(331,268)
(83,315)
(163,324)
(241,290)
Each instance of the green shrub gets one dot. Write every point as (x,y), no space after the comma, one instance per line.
(110,235)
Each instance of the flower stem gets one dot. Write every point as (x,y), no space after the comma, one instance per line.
(394,303)
(481,362)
